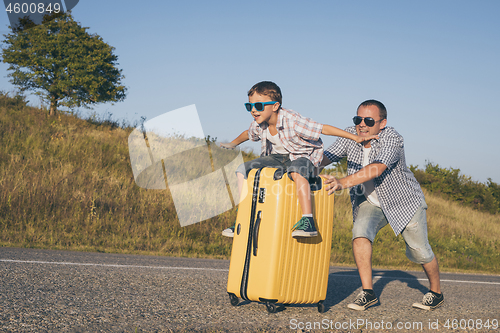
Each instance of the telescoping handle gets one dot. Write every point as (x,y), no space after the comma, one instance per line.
(256,233)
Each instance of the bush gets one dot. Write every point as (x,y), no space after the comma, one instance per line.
(452,185)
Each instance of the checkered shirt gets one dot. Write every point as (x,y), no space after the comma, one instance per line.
(398,191)
(299,135)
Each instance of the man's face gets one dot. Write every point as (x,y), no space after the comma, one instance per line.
(370,111)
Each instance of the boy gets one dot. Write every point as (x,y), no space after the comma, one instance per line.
(289,141)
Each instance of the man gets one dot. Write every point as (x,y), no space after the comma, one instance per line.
(383,191)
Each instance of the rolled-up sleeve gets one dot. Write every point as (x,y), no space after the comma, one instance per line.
(391,151)
(307,128)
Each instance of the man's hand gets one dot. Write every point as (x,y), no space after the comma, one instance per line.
(332,184)
(227,145)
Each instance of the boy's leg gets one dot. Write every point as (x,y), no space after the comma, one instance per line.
(229,232)
(241,182)
(242,174)
(301,171)
(303,192)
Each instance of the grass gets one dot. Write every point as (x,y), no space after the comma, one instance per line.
(67,183)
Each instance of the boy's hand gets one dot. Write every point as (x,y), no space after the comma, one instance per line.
(360,139)
(227,145)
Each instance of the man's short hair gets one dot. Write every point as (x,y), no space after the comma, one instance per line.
(267,88)
(381,107)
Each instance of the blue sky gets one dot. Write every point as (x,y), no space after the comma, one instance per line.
(434,64)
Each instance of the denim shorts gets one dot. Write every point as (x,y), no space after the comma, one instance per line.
(302,165)
(371,219)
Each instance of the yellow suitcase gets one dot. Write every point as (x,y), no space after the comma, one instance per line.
(267,264)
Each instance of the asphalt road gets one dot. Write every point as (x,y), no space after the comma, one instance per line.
(59,291)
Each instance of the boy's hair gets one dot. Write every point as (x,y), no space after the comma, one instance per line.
(267,88)
(381,107)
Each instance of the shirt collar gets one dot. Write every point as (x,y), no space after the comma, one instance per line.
(279,122)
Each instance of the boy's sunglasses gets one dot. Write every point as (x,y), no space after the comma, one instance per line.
(369,121)
(258,106)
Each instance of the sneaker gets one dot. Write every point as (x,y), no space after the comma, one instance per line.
(363,301)
(229,232)
(430,301)
(304,228)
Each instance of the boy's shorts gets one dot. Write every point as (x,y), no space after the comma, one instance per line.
(302,165)
(370,219)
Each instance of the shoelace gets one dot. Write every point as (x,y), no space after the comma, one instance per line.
(428,298)
(302,224)
(361,299)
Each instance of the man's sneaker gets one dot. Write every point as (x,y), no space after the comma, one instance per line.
(430,301)
(304,228)
(229,232)
(363,301)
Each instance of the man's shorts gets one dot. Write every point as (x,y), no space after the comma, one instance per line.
(371,219)
(302,165)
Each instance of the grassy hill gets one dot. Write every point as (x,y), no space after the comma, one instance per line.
(66,183)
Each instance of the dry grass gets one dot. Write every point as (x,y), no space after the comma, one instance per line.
(67,183)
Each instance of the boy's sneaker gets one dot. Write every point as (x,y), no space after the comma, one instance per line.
(304,228)
(229,232)
(430,301)
(363,301)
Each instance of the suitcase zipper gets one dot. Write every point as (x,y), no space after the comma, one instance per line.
(255,194)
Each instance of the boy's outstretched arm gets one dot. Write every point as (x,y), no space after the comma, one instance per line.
(334,131)
(240,139)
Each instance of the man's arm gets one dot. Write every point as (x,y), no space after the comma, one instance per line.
(367,173)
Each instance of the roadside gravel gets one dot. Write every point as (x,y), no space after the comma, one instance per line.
(58,291)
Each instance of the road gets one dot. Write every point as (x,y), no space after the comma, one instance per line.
(61,291)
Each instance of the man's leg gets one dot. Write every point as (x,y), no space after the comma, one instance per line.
(362,250)
(434,298)
(419,251)
(431,269)
(370,219)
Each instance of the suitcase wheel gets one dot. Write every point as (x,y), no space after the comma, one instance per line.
(271,307)
(321,307)
(233,299)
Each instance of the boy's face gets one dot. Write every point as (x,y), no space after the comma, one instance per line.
(269,110)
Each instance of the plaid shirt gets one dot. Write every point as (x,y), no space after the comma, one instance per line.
(299,135)
(397,189)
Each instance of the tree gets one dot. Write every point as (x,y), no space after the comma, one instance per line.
(64,64)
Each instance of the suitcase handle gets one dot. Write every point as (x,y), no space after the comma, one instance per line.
(256,232)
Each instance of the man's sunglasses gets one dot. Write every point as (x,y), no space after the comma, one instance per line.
(369,121)
(258,106)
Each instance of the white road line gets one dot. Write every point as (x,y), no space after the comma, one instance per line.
(218,269)
(377,277)
(109,265)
